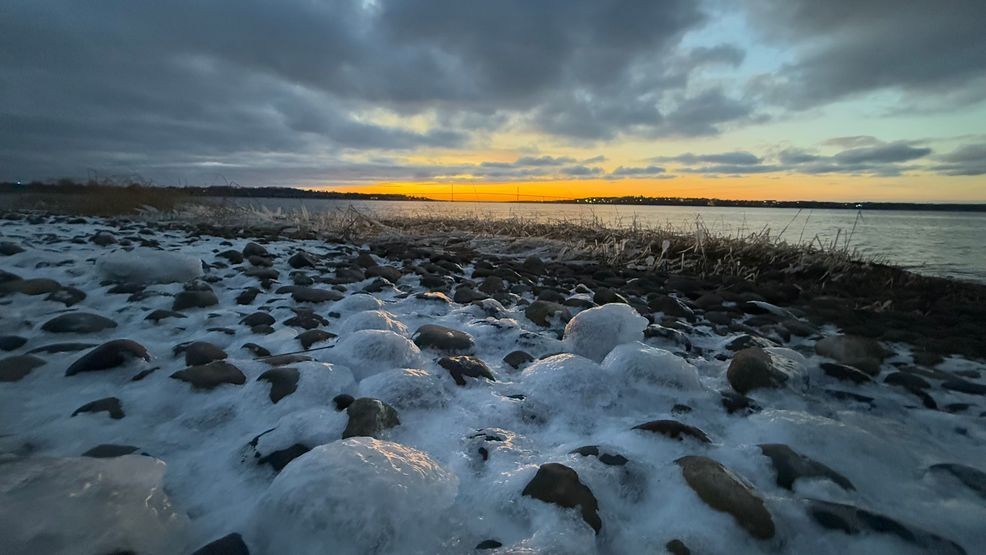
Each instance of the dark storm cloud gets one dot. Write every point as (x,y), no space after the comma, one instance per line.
(931,50)
(146,84)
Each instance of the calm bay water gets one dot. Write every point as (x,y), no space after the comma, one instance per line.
(935,243)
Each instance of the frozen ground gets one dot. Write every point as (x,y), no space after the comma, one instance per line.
(213,454)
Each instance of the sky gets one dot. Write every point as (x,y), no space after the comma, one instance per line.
(860,100)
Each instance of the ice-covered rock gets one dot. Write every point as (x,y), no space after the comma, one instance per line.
(149,266)
(307,428)
(593,333)
(358,495)
(369,352)
(638,365)
(565,383)
(406,388)
(87,505)
(359,302)
(371,320)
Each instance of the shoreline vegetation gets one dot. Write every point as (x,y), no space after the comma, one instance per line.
(161,197)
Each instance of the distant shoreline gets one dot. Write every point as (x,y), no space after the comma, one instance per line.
(289,192)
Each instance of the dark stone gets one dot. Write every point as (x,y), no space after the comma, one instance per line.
(611,459)
(845,373)
(211,375)
(674,430)
(258,319)
(907,381)
(342,401)
(61,348)
(253,249)
(108,404)
(863,353)
(162,314)
(109,451)
(606,296)
(669,306)
(68,296)
(279,459)
(516,359)
(247,296)
(853,520)
(747,341)
(442,339)
(13,369)
(257,350)
(310,337)
(313,294)
(369,417)
(283,382)
(964,386)
(791,465)
(282,360)
(488,544)
(231,544)
(33,286)
(194,299)
(234,257)
(466,295)
(542,312)
(559,484)
(389,273)
(302,259)
(677,547)
(849,396)
(9,249)
(78,322)
(126,289)
(466,366)
(108,355)
(103,238)
(201,352)
(306,318)
(11,342)
(752,369)
(970,477)
(720,489)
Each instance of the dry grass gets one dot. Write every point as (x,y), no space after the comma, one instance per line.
(97,199)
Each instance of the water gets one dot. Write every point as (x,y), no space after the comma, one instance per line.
(928,242)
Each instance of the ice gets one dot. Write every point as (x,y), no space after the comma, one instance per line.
(86,505)
(638,365)
(310,427)
(594,332)
(406,388)
(368,352)
(144,265)
(358,495)
(357,303)
(372,320)
(566,384)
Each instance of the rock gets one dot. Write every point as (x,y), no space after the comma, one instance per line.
(11,342)
(211,375)
(78,322)
(109,451)
(543,312)
(466,295)
(737,402)
(434,296)
(469,366)
(674,430)
(442,339)
(861,352)
(606,296)
(369,417)
(853,520)
(61,348)
(162,314)
(487,544)
(516,359)
(791,465)
(724,491)
(907,381)
(669,306)
(258,319)
(342,401)
(845,373)
(303,294)
(970,477)
(253,249)
(103,238)
(108,355)
(231,544)
(965,386)
(33,286)
(305,318)
(533,265)
(676,547)
(108,404)
(310,337)
(13,369)
(747,341)
(201,352)
(256,350)
(302,259)
(283,382)
(610,459)
(149,266)
(389,273)
(9,249)
(247,296)
(234,257)
(595,332)
(282,360)
(559,484)
(194,299)
(68,296)
(756,368)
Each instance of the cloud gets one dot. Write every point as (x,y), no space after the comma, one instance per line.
(932,52)
(643,171)
(963,161)
(738,157)
(888,153)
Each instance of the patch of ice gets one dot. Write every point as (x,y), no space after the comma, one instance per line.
(149,266)
(638,365)
(311,427)
(369,352)
(565,384)
(372,320)
(594,332)
(358,302)
(406,388)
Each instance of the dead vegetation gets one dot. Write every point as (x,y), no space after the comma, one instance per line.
(104,197)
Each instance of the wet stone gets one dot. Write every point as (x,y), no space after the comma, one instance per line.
(109,451)
(558,484)
(15,368)
(231,544)
(461,367)
(442,339)
(753,369)
(212,375)
(674,430)
(516,359)
(109,355)
(303,294)
(162,314)
(845,373)
(200,352)
(194,299)
(11,342)
(791,465)
(247,296)
(283,382)
(68,296)
(610,459)
(543,312)
(78,322)
(722,490)
(369,417)
(109,405)
(310,337)
(258,319)
(342,401)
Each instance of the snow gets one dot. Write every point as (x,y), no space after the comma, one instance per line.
(358,495)
(429,489)
(143,265)
(594,332)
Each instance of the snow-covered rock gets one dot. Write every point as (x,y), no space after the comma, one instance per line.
(87,505)
(372,320)
(358,495)
(638,365)
(368,352)
(149,266)
(565,383)
(593,333)
(358,302)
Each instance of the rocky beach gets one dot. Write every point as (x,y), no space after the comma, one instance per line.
(196,385)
